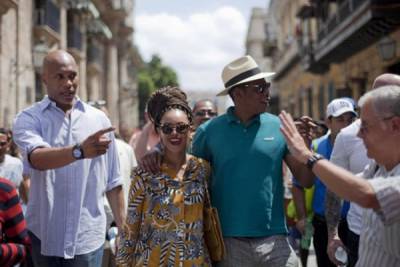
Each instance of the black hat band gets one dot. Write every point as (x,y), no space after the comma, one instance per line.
(242,76)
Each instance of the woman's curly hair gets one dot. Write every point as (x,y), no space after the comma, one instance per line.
(165,99)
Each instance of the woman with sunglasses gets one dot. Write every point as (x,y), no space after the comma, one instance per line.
(165,210)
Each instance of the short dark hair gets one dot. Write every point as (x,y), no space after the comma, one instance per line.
(202,101)
(7,132)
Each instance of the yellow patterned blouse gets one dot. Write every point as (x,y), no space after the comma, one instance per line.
(165,218)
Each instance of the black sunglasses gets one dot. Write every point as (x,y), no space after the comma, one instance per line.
(181,128)
(259,88)
(204,112)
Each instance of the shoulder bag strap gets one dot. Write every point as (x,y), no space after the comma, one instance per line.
(207,201)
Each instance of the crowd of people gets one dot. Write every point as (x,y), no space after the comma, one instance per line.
(78,194)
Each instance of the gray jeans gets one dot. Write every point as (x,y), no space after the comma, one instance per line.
(273,251)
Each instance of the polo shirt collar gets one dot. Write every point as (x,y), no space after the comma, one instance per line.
(231,116)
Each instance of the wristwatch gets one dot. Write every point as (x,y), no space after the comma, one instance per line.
(77,152)
(313,159)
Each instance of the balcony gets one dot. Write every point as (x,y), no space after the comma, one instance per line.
(308,63)
(126,27)
(306,11)
(5,5)
(356,25)
(47,21)
(118,11)
(126,5)
(96,27)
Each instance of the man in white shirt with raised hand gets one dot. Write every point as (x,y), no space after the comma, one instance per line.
(350,153)
(380,131)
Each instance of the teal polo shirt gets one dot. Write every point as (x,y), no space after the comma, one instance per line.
(246,183)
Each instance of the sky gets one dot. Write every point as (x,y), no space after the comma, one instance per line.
(196,38)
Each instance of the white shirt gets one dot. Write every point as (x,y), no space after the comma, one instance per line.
(11,169)
(350,153)
(380,234)
(127,161)
(66,204)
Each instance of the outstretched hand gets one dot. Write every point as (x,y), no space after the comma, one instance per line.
(97,143)
(294,140)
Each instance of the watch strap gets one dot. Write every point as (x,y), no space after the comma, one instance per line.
(313,159)
(78,147)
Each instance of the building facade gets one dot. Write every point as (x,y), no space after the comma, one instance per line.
(98,33)
(326,49)
(256,46)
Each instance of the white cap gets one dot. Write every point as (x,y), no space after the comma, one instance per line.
(339,106)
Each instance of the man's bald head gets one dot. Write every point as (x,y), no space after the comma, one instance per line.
(57,57)
(60,75)
(386,79)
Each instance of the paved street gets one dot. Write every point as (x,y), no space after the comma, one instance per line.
(312,260)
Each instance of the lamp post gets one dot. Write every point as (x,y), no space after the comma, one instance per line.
(387,48)
(39,52)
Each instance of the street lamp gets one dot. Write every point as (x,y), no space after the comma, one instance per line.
(387,48)
(40,50)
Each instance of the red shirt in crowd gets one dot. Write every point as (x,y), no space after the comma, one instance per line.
(14,238)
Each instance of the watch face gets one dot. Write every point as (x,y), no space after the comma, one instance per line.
(76,152)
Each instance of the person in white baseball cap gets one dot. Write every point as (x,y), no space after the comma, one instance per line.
(340,106)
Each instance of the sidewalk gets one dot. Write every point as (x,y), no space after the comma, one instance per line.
(312,260)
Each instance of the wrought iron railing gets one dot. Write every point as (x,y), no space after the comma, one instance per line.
(345,10)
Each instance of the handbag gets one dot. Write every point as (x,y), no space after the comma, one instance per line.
(212,229)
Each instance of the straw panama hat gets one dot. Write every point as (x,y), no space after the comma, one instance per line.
(242,70)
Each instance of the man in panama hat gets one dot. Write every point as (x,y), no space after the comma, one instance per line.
(246,150)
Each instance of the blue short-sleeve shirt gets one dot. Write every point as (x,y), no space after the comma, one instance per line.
(324,147)
(246,183)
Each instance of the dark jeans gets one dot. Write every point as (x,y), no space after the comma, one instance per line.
(352,248)
(320,239)
(92,259)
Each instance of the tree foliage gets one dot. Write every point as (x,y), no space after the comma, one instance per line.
(151,76)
